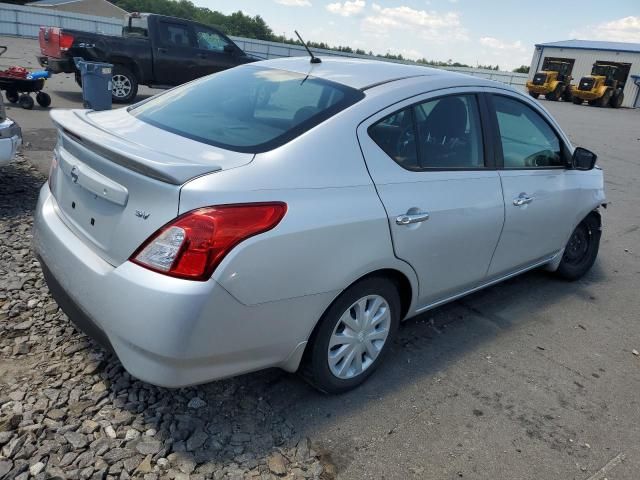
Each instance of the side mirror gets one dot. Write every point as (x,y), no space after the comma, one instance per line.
(583,159)
(229,49)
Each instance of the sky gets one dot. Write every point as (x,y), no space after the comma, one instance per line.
(474,32)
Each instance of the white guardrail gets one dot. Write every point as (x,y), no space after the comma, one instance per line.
(25,22)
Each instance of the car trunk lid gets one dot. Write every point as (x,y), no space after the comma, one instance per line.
(116,180)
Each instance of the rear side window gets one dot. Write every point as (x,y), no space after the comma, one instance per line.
(247,109)
(527,139)
(442,134)
(175,35)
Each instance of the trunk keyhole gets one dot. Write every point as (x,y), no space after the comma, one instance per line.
(93,221)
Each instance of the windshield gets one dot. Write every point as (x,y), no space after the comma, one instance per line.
(247,109)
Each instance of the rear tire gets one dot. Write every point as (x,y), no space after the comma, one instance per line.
(555,95)
(604,100)
(534,95)
(26,102)
(567,96)
(616,99)
(593,103)
(577,101)
(124,85)
(353,336)
(581,250)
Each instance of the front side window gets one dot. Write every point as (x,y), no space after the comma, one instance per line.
(444,133)
(527,139)
(174,35)
(247,109)
(210,40)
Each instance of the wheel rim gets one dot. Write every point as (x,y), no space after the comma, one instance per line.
(359,336)
(121,86)
(578,246)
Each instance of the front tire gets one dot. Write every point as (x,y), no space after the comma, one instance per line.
(577,101)
(582,249)
(353,336)
(534,95)
(124,85)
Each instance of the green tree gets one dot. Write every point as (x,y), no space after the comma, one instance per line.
(522,69)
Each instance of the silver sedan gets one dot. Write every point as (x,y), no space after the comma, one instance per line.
(291,214)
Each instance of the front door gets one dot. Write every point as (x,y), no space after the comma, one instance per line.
(540,194)
(174,53)
(443,199)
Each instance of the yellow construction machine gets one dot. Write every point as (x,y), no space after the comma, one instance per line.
(603,87)
(554,81)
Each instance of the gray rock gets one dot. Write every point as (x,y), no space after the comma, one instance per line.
(196,440)
(5,467)
(36,468)
(196,402)
(117,454)
(148,446)
(77,440)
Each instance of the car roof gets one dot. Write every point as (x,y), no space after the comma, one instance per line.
(361,73)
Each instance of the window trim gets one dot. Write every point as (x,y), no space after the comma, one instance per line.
(489,158)
(497,140)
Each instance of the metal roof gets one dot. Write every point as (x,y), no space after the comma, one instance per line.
(594,45)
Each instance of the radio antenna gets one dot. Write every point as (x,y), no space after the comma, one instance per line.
(314,59)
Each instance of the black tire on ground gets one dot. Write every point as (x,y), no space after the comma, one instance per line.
(567,96)
(26,102)
(43,99)
(12,96)
(315,367)
(616,99)
(604,100)
(555,95)
(577,100)
(124,84)
(592,102)
(582,249)
(534,94)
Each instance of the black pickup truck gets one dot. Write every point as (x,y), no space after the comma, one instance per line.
(153,50)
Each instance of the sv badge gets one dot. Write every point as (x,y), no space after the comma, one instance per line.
(142,214)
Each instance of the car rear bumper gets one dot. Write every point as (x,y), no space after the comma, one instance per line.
(10,140)
(167,331)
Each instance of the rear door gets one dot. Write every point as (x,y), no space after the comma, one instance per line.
(214,51)
(540,194)
(434,174)
(175,60)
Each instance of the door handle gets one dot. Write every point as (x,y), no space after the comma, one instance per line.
(522,199)
(162,50)
(409,218)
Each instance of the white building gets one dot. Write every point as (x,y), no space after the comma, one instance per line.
(584,53)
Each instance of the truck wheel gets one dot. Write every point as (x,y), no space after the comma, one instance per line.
(577,100)
(592,102)
(567,96)
(604,100)
(616,99)
(124,85)
(555,95)
(534,94)
(26,102)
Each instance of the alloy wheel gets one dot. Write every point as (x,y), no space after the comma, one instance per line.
(121,86)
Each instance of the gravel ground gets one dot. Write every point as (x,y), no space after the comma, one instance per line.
(69,410)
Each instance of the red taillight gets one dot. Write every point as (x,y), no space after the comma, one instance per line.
(66,41)
(194,244)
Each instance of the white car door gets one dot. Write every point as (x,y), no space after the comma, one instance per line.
(540,194)
(443,198)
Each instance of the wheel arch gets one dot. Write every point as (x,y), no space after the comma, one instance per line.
(128,63)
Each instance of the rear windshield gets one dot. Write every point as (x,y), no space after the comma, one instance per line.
(247,109)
